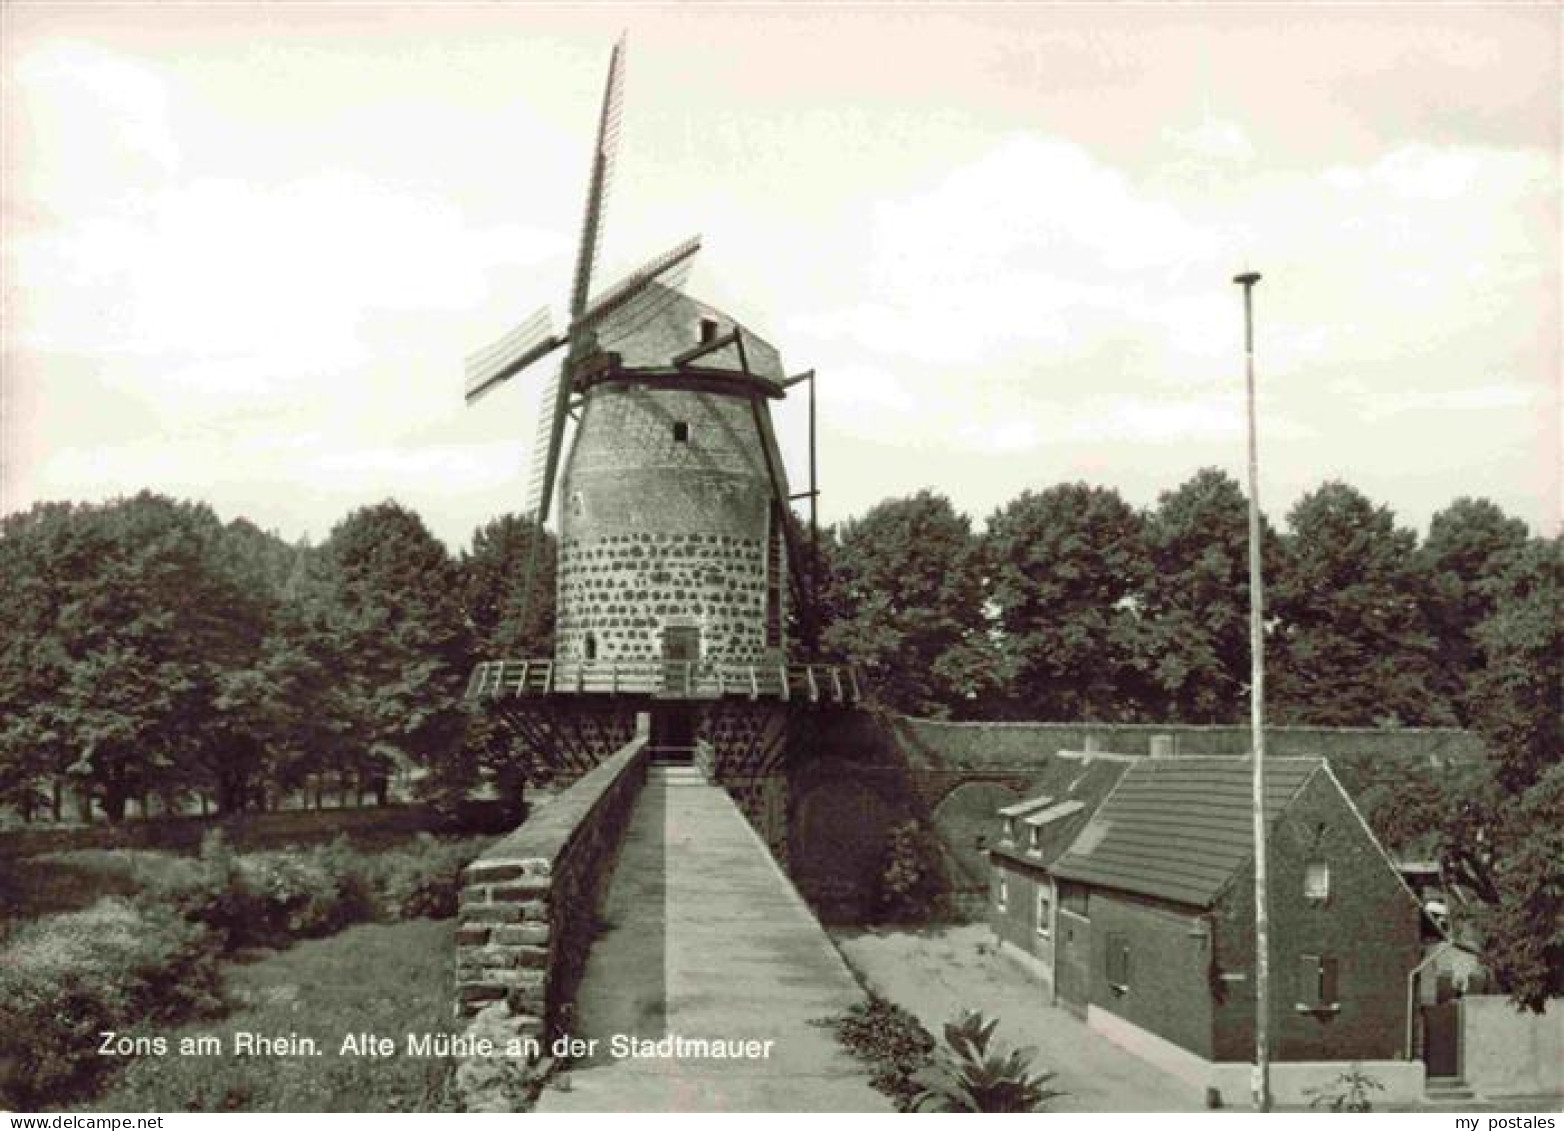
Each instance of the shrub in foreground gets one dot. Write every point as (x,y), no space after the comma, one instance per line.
(971,1073)
(891,1041)
(67,978)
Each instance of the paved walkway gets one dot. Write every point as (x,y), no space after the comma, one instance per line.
(937,973)
(705,938)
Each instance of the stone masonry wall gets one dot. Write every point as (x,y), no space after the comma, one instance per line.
(528,913)
(665,516)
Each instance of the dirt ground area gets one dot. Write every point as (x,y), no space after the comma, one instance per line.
(938,972)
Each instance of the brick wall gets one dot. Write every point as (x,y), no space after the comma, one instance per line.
(1016,921)
(529,904)
(945,744)
(1169,967)
(655,530)
(1369,924)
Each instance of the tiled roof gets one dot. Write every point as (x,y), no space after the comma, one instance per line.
(1179,828)
(1081,779)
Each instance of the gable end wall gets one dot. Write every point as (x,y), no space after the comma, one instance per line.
(1369,924)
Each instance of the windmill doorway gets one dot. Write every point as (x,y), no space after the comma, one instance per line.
(673,735)
(681,652)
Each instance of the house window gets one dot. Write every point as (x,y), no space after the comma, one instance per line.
(1044,911)
(1318,988)
(1010,831)
(1037,839)
(681,432)
(590,646)
(1316,882)
(1118,963)
(708,330)
(1002,894)
(1072,898)
(577,504)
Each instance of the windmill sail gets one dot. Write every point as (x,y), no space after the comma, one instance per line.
(603,160)
(510,354)
(533,504)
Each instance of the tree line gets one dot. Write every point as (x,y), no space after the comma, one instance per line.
(148,649)
(1072,605)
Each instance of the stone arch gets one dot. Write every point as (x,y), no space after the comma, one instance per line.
(966,824)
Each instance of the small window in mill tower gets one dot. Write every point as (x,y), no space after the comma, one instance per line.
(681,432)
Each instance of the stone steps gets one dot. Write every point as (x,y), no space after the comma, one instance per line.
(1448,1091)
(674,775)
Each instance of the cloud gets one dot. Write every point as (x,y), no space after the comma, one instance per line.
(1212,139)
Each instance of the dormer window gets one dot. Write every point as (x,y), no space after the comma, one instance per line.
(708,330)
(1036,844)
(681,432)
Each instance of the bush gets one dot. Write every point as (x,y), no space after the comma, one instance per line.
(909,878)
(305,895)
(268,898)
(214,892)
(891,1041)
(423,881)
(67,978)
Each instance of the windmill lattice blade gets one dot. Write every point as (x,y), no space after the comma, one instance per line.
(537,476)
(601,177)
(670,268)
(510,354)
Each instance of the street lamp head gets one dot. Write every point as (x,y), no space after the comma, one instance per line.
(1248,278)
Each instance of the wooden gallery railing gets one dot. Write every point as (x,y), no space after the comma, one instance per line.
(665,679)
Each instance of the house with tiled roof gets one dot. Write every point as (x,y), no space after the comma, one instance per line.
(1034,833)
(1150,936)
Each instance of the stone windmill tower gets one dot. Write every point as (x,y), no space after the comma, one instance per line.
(679,558)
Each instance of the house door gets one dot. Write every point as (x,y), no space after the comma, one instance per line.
(681,649)
(1442,1038)
(1072,953)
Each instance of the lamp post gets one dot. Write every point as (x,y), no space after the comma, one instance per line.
(1261,1083)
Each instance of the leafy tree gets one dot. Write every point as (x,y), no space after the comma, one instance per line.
(494,577)
(1505,840)
(906,603)
(383,603)
(1197,598)
(1067,567)
(1354,647)
(1470,544)
(116,630)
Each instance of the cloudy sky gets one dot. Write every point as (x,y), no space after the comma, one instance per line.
(247,248)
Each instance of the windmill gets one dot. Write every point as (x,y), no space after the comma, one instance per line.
(636,297)
(679,592)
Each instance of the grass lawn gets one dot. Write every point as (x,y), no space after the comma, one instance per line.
(386,979)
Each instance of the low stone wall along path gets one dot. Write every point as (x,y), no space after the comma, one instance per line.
(705,941)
